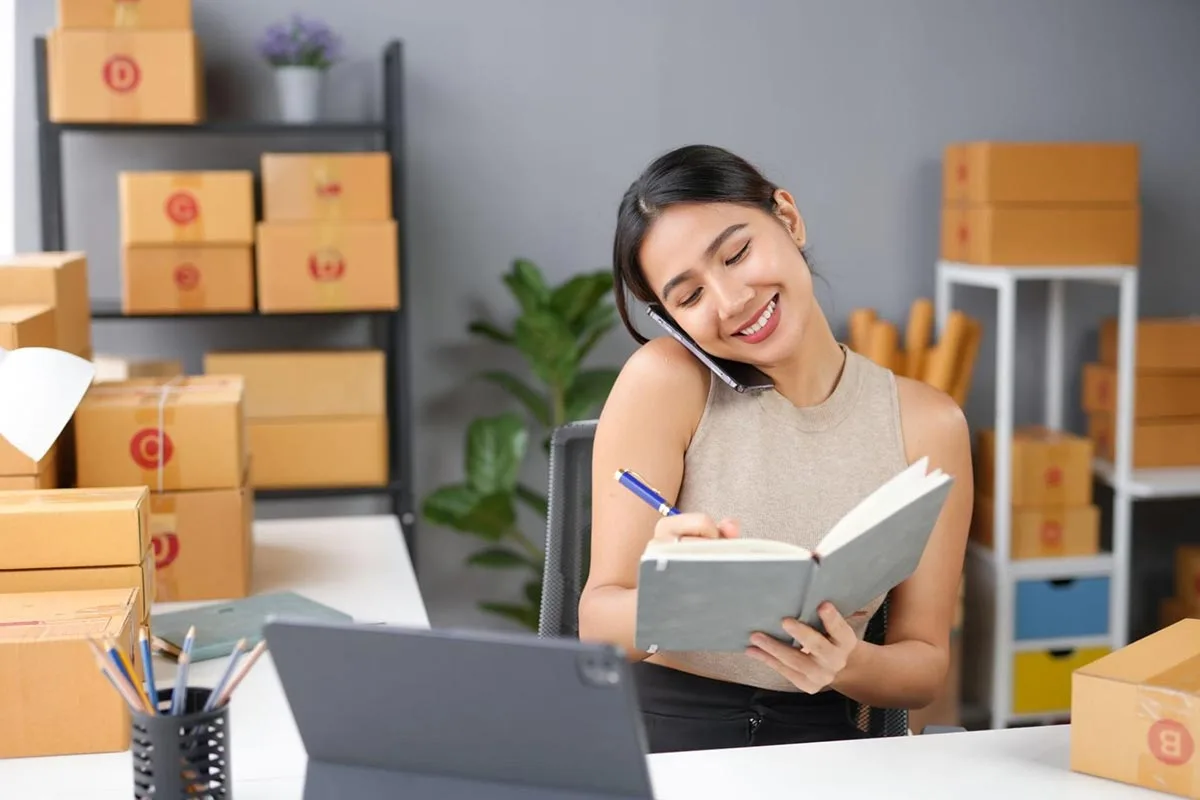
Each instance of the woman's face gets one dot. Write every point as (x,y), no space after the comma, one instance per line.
(732,277)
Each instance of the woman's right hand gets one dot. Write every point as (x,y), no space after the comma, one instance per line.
(693,525)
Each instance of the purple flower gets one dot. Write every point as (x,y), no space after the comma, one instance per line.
(300,42)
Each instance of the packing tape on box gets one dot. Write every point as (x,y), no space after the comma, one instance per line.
(182,207)
(327,266)
(1168,705)
(164,533)
(126,14)
(190,287)
(327,189)
(151,447)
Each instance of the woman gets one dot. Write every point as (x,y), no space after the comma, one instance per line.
(721,250)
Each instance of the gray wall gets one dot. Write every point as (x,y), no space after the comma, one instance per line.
(529,117)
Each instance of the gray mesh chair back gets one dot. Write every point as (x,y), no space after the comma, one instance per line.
(568,542)
(568,528)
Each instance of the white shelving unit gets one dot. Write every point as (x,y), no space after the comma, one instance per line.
(992,571)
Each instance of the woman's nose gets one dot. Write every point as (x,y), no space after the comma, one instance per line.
(732,300)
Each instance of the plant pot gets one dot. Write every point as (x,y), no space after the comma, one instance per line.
(299,91)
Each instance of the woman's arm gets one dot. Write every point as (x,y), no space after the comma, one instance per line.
(646,425)
(910,669)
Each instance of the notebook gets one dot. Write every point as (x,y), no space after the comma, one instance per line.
(712,594)
(219,626)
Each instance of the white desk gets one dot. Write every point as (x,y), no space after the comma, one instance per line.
(360,565)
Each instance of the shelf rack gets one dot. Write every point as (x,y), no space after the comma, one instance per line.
(993,568)
(390,328)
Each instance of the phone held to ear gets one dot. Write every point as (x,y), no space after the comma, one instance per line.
(740,376)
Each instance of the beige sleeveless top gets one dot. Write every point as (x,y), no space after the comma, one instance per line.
(789,474)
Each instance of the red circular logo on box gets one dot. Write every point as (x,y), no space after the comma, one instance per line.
(326,265)
(1051,534)
(182,207)
(962,234)
(187,276)
(329,189)
(122,74)
(962,173)
(166,549)
(1102,391)
(150,450)
(1170,742)
(1053,476)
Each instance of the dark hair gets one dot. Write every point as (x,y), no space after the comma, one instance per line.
(690,174)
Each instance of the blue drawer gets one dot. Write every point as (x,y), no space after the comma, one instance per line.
(1054,609)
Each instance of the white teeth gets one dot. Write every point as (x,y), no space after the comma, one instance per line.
(758,323)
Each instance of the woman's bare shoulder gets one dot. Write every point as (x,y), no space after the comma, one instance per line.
(663,378)
(934,425)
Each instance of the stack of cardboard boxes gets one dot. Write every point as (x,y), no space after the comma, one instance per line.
(1166,393)
(44,302)
(186,242)
(74,564)
(328,240)
(185,439)
(1184,603)
(1040,203)
(129,62)
(316,418)
(119,368)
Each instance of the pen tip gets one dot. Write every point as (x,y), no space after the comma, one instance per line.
(618,473)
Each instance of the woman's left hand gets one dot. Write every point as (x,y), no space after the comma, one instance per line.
(817,660)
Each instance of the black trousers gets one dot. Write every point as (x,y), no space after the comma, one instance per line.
(681,711)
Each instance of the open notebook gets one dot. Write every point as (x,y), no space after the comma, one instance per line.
(713,594)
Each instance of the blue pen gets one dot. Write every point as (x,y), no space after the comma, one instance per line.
(632,482)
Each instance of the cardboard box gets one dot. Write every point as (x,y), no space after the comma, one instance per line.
(203,544)
(318,267)
(123,75)
(111,369)
(56,699)
(187,280)
(139,14)
(1170,442)
(1049,468)
(1162,344)
(45,478)
(1041,172)
(313,383)
(74,528)
(1041,235)
(26,326)
(14,463)
(1156,395)
(1135,714)
(306,187)
(1051,532)
(314,452)
(59,280)
(1173,609)
(1187,575)
(138,576)
(165,433)
(175,208)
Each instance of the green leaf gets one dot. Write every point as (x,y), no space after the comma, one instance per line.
(527,395)
(574,299)
(526,283)
(491,518)
(495,449)
(499,558)
(490,331)
(600,320)
(549,346)
(589,390)
(449,505)
(534,500)
(524,615)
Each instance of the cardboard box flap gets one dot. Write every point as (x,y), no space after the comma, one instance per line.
(22,313)
(50,260)
(47,616)
(173,391)
(1170,659)
(51,501)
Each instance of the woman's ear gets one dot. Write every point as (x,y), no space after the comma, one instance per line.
(785,209)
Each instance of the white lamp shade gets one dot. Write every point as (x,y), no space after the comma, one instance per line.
(40,388)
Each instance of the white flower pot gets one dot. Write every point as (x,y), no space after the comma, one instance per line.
(299,90)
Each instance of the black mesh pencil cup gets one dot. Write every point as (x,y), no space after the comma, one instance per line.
(182,757)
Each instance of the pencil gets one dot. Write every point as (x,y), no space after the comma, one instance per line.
(177,696)
(233,660)
(108,671)
(148,667)
(123,661)
(247,663)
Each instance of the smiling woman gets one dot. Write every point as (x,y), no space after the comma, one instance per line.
(714,246)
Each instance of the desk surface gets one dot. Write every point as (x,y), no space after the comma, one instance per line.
(360,565)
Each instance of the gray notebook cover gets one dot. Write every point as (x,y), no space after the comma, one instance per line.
(716,605)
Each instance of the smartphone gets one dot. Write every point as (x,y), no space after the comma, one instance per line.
(740,376)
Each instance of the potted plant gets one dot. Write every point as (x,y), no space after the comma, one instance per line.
(301,51)
(556,329)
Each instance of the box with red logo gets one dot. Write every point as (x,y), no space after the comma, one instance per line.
(328,266)
(125,75)
(165,433)
(203,545)
(1049,532)
(309,187)
(1135,713)
(187,279)
(1049,467)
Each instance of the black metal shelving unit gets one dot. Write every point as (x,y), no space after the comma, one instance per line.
(390,328)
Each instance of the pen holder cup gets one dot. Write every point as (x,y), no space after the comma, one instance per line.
(185,756)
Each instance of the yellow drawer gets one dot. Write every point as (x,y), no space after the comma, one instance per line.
(1042,679)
